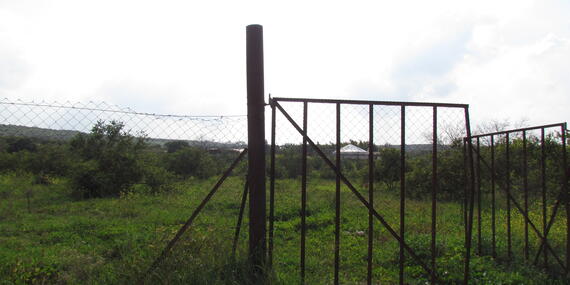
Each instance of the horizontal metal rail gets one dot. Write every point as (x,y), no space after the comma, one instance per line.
(365,102)
(369,206)
(518,130)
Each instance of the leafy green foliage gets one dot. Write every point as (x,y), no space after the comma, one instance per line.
(21,144)
(110,161)
(191,161)
(175,146)
(387,167)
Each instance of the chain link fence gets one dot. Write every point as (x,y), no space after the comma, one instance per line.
(62,121)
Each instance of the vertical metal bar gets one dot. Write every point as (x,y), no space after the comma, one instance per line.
(434,187)
(240,217)
(525,193)
(256,146)
(508,169)
(190,220)
(304,194)
(370,190)
(402,188)
(272,186)
(469,231)
(479,246)
(543,186)
(337,200)
(493,201)
(359,196)
(566,194)
(466,186)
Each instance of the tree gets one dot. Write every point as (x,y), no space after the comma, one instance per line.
(174,146)
(109,161)
(21,144)
(387,168)
(191,161)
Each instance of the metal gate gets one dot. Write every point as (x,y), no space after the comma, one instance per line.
(404,110)
(528,164)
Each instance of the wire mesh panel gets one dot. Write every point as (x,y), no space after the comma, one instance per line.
(55,120)
(104,188)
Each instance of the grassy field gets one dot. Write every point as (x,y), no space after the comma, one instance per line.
(46,237)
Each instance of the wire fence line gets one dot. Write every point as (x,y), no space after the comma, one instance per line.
(386,121)
(62,121)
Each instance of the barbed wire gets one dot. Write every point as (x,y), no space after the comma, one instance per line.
(57,120)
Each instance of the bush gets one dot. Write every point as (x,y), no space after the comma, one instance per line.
(175,146)
(192,161)
(111,161)
(21,144)
(52,159)
(158,179)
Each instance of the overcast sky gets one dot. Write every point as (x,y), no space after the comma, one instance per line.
(507,59)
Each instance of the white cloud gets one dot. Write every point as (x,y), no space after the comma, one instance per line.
(507,58)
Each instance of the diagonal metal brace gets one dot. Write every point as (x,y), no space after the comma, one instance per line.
(188,223)
(355,192)
(525,215)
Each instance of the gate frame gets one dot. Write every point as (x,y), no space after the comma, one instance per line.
(274,103)
(562,197)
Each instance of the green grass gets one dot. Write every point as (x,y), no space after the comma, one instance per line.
(114,240)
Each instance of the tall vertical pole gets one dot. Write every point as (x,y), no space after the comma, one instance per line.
(256,145)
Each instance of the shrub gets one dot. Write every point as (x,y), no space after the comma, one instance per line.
(191,161)
(21,144)
(52,159)
(158,179)
(175,146)
(111,161)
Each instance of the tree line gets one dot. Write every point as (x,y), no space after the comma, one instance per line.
(109,161)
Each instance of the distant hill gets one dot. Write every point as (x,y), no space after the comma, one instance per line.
(65,135)
(38,133)
(418,147)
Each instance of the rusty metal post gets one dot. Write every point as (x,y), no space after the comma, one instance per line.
(256,145)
